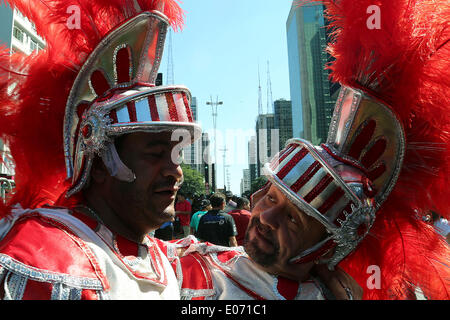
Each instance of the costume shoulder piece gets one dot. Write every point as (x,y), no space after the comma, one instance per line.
(29,268)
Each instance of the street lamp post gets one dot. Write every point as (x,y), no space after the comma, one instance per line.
(214,115)
(224,150)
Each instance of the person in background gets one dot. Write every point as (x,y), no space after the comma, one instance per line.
(229,203)
(205,206)
(216,226)
(165,232)
(183,212)
(241,216)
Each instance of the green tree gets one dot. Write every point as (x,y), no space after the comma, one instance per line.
(194,182)
(258,183)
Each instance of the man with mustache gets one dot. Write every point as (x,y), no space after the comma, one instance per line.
(263,268)
(356,200)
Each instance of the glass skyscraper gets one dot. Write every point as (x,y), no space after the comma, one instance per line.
(312,94)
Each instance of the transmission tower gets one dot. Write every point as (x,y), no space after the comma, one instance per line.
(170,76)
(269,91)
(260,111)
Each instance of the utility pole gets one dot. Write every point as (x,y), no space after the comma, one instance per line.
(224,150)
(214,116)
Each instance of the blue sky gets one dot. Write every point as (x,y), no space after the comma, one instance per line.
(217,54)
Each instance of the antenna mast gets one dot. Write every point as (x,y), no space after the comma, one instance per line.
(269,91)
(170,76)
(260,111)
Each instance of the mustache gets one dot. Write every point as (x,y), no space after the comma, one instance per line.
(169,183)
(265,230)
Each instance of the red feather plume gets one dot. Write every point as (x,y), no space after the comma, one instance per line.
(404,63)
(34,89)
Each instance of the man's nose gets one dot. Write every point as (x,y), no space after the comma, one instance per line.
(271,217)
(171,168)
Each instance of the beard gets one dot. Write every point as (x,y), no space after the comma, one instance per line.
(258,255)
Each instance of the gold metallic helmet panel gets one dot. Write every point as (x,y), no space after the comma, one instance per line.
(115,93)
(366,133)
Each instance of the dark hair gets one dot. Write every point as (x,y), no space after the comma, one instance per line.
(217,199)
(182,194)
(204,204)
(228,195)
(241,202)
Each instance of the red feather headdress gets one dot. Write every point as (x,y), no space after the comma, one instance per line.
(34,89)
(405,64)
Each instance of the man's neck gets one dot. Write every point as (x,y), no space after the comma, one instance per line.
(111,219)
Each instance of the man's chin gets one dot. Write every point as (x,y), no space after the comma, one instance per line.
(168,214)
(258,255)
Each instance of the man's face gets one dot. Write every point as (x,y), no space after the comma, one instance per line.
(148,201)
(279,231)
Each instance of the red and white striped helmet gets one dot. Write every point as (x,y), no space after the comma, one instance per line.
(344,181)
(115,93)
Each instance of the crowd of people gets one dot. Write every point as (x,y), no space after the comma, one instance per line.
(218,218)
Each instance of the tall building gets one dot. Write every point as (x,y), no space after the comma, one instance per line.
(283,120)
(312,94)
(19,34)
(192,152)
(245,182)
(267,140)
(6,163)
(252,159)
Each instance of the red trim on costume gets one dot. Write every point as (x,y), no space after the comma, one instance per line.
(123,65)
(362,139)
(292,163)
(306,176)
(131,106)
(127,247)
(188,109)
(377,172)
(324,182)
(157,263)
(335,196)
(113,116)
(287,288)
(99,83)
(91,223)
(374,153)
(339,158)
(173,112)
(37,290)
(153,108)
(276,162)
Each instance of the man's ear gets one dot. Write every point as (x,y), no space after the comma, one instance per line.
(99,172)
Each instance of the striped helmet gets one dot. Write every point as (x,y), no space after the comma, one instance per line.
(344,181)
(115,93)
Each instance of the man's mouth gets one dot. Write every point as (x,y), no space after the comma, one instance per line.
(167,191)
(265,239)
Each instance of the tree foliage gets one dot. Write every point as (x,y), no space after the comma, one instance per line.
(258,183)
(194,181)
